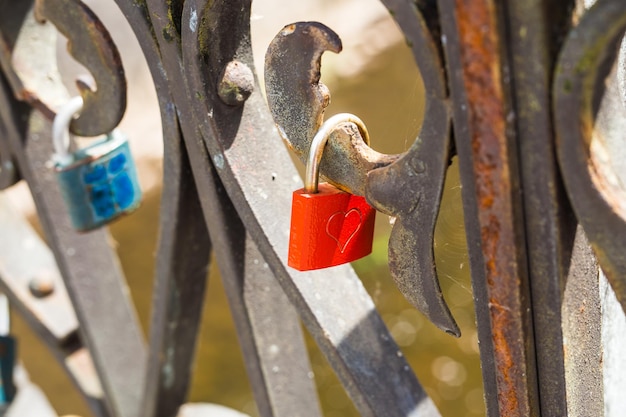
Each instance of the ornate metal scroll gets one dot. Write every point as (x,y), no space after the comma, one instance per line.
(596,191)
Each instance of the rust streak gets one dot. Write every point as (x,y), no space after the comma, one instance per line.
(482,77)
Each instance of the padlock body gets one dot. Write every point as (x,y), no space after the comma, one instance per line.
(328,228)
(7,365)
(100,184)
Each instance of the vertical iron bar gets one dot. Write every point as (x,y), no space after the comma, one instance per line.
(480,83)
(183,252)
(182,262)
(535,31)
(182,256)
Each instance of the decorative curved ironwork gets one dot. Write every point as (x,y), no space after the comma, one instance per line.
(596,194)
(91,45)
(297,100)
(238,138)
(34,76)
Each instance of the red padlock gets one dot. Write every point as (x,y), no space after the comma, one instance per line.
(328,226)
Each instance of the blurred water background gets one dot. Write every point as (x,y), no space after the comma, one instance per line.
(375,78)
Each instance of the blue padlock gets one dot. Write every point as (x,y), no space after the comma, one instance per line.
(7,365)
(8,348)
(99,182)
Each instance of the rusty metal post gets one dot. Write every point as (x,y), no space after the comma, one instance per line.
(486,141)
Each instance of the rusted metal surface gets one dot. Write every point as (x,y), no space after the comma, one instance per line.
(236,83)
(91,45)
(485,140)
(297,100)
(18,27)
(536,30)
(596,194)
(295,94)
(28,58)
(256,318)
(419,175)
(182,256)
(240,138)
(108,323)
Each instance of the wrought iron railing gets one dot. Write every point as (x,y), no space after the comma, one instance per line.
(525,94)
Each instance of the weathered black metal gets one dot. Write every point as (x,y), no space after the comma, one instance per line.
(421,173)
(256,321)
(353,166)
(28,59)
(182,255)
(117,358)
(297,100)
(91,45)
(480,85)
(597,197)
(8,169)
(252,168)
(582,336)
(535,31)
(95,285)
(296,97)
(182,263)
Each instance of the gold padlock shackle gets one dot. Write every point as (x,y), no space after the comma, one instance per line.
(311,177)
(60,129)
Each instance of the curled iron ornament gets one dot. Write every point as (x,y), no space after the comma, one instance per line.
(91,45)
(297,101)
(245,147)
(599,201)
(34,77)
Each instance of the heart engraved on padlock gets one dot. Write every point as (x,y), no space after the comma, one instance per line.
(99,182)
(340,232)
(328,226)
